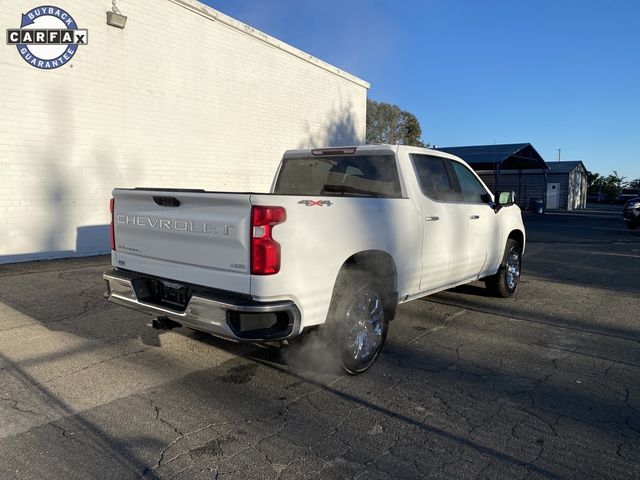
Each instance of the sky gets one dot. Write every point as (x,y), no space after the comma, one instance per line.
(559,74)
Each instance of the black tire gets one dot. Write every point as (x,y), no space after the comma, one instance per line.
(632,226)
(357,323)
(505,282)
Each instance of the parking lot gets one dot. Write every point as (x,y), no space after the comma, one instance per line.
(544,385)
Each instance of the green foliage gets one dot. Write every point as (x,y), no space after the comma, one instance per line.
(410,129)
(594,180)
(611,185)
(382,122)
(387,123)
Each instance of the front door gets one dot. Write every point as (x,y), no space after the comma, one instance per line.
(553,195)
(484,249)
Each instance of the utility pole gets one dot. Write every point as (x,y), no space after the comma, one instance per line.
(558,153)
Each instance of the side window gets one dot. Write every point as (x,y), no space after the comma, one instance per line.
(472,189)
(433,178)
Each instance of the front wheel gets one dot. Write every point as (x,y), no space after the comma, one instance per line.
(505,282)
(357,321)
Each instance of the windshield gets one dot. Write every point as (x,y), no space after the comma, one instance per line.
(349,175)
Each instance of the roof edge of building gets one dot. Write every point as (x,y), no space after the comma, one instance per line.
(214,15)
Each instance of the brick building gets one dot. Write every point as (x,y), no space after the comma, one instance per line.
(183,96)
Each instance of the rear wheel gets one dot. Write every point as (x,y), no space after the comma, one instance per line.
(505,283)
(357,321)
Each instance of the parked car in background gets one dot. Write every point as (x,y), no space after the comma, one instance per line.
(631,213)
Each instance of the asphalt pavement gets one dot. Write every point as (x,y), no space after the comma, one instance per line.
(542,385)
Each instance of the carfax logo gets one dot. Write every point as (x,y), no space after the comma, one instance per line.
(48,37)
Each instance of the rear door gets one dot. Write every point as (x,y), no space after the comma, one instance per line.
(194,237)
(444,223)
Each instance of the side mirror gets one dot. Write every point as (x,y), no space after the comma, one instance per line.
(504,199)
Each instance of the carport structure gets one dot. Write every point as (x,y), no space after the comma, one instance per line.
(513,166)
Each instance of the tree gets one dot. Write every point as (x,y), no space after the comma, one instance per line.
(615,184)
(387,123)
(611,185)
(382,122)
(594,181)
(410,130)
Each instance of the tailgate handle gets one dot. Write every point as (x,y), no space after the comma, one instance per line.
(167,201)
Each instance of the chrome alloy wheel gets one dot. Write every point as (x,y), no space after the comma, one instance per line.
(364,325)
(513,269)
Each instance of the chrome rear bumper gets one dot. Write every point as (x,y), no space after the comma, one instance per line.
(204,311)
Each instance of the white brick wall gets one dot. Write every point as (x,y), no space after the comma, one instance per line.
(182,97)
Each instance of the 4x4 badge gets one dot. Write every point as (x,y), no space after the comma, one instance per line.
(315,203)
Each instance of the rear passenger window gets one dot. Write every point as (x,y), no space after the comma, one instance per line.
(472,189)
(433,178)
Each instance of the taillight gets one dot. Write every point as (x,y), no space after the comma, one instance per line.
(112,233)
(265,251)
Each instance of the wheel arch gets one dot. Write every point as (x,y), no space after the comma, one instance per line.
(518,236)
(382,266)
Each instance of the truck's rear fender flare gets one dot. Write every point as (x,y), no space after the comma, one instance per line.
(380,265)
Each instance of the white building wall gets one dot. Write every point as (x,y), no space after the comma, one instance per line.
(183,97)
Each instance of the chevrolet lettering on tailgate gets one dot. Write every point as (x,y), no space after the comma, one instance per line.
(156,223)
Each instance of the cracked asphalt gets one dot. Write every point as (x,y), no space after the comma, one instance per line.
(544,385)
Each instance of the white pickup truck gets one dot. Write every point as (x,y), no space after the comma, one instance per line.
(345,235)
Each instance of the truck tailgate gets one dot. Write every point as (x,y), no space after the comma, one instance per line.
(194,237)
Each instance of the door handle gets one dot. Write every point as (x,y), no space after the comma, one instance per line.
(474,217)
(432,219)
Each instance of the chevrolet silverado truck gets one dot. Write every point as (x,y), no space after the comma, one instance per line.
(343,237)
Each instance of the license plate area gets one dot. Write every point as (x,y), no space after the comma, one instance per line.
(164,293)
